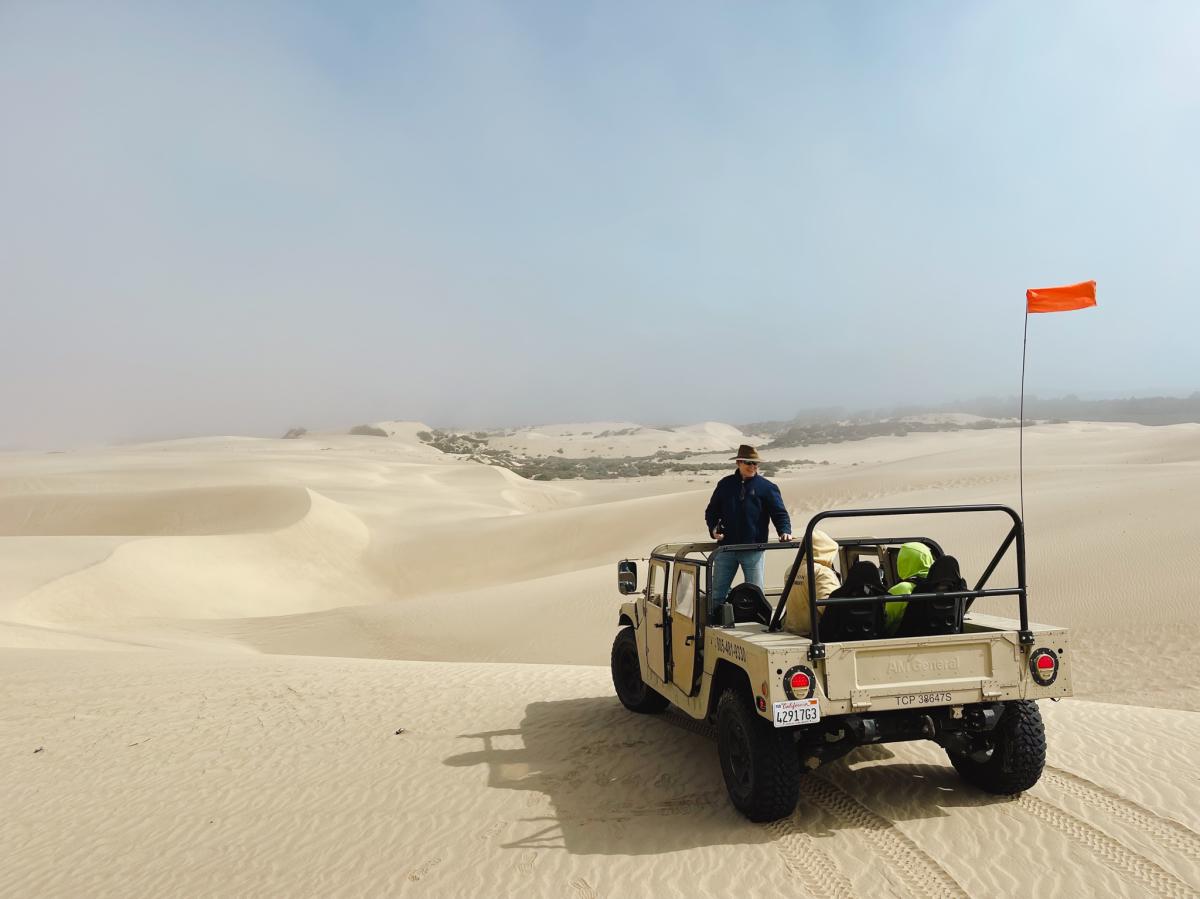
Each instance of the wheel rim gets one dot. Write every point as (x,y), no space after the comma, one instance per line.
(741,769)
(981,753)
(984,755)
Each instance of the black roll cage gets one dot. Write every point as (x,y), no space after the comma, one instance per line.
(817,648)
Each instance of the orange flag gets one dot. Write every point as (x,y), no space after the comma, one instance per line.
(1061,299)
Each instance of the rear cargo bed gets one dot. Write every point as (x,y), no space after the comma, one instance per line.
(984,664)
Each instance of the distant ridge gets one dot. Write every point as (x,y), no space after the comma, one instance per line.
(1144,410)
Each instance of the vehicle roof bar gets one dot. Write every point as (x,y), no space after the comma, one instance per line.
(1012,535)
(817,649)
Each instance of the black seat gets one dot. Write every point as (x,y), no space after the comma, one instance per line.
(749,604)
(855,621)
(936,616)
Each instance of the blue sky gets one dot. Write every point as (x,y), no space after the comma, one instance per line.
(236,218)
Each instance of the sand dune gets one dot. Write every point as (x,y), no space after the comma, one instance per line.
(211,644)
(195,511)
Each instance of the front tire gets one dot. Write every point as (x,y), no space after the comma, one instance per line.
(760,764)
(1013,756)
(627,676)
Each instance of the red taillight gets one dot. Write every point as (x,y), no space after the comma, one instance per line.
(799,681)
(1044,667)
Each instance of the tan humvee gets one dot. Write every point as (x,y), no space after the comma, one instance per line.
(785,702)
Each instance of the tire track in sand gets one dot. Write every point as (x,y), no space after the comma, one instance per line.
(816,871)
(1170,834)
(1114,854)
(815,868)
(921,873)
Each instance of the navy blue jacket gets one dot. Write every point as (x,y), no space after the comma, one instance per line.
(742,508)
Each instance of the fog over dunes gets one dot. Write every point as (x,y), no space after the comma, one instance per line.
(493,214)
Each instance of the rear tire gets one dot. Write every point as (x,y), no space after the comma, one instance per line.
(760,764)
(627,676)
(1015,752)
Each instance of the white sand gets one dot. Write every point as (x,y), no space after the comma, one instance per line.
(180,713)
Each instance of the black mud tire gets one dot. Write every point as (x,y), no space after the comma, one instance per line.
(1017,752)
(627,676)
(760,764)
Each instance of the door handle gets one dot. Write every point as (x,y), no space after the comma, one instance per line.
(658,624)
(689,639)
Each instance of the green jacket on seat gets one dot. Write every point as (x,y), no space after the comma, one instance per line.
(913,562)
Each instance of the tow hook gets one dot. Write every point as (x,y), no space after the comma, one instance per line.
(865,730)
(982,718)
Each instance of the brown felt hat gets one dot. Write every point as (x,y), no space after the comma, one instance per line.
(746,453)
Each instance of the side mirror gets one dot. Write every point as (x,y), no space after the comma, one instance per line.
(627,577)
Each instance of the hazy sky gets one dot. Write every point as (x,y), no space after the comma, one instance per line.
(236,218)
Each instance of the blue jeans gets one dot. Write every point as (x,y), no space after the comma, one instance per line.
(725,566)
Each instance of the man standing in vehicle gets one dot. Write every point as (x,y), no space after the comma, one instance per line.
(739,511)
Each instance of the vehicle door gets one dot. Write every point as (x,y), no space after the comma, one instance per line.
(684,611)
(654,632)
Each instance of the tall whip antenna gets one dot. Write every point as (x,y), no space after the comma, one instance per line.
(1021,423)
(1046,299)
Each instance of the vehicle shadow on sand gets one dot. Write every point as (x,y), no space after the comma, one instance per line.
(598,779)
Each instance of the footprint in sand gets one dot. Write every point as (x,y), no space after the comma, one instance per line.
(583,889)
(492,831)
(424,868)
(525,862)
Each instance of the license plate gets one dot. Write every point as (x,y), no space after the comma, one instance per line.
(938,698)
(797,711)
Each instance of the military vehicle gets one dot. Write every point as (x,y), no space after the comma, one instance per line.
(785,703)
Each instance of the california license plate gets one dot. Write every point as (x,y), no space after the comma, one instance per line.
(797,711)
